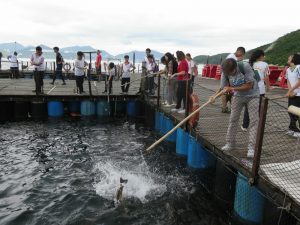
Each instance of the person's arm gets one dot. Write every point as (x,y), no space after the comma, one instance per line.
(224,82)
(41,61)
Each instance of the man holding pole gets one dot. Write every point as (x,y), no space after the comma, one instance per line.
(246,92)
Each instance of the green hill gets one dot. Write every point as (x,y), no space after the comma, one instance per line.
(277,52)
(214,59)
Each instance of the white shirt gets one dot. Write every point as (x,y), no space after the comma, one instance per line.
(126,69)
(232,56)
(38,59)
(263,70)
(293,77)
(79,67)
(191,64)
(13,61)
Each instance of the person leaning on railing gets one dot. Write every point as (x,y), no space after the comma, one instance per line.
(293,81)
(246,92)
(183,81)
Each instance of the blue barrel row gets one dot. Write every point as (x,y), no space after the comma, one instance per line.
(90,108)
(231,189)
(40,110)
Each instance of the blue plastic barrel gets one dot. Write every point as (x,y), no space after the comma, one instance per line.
(169,126)
(74,107)
(162,121)
(248,202)
(182,139)
(87,108)
(103,109)
(158,120)
(198,156)
(118,108)
(55,109)
(132,108)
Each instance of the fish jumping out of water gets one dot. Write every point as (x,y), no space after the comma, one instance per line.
(119,193)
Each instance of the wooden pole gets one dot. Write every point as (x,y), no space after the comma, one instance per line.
(182,122)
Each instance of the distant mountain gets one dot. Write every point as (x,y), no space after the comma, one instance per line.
(69,52)
(276,52)
(214,59)
(139,55)
(10,47)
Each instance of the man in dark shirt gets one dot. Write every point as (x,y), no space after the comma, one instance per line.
(59,65)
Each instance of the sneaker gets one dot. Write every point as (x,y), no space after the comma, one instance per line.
(296,134)
(227,147)
(104,91)
(173,104)
(51,83)
(290,132)
(121,93)
(181,111)
(174,110)
(250,153)
(243,129)
(64,83)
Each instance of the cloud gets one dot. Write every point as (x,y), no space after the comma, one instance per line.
(198,27)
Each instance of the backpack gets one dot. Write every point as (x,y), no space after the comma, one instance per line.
(242,69)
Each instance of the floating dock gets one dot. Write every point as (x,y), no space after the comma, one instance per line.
(270,179)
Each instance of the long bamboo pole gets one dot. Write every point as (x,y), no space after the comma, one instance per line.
(182,122)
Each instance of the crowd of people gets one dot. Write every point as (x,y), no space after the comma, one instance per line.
(243,84)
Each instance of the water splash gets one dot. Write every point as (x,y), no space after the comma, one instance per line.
(141,184)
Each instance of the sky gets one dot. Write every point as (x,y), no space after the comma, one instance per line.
(117,26)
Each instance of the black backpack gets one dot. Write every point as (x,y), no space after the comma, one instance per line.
(175,66)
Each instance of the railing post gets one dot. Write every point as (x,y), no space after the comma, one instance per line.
(22,68)
(187,102)
(259,138)
(158,91)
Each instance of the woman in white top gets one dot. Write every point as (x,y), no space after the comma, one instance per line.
(293,81)
(126,68)
(192,68)
(14,65)
(80,66)
(262,72)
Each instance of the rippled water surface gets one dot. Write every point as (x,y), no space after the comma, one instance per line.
(68,172)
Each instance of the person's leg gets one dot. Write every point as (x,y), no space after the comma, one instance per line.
(54,77)
(81,80)
(110,85)
(237,106)
(246,119)
(151,85)
(170,93)
(17,73)
(42,80)
(127,80)
(253,106)
(175,88)
(179,94)
(38,82)
(185,93)
(123,84)
(293,118)
(77,83)
(60,73)
(35,76)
